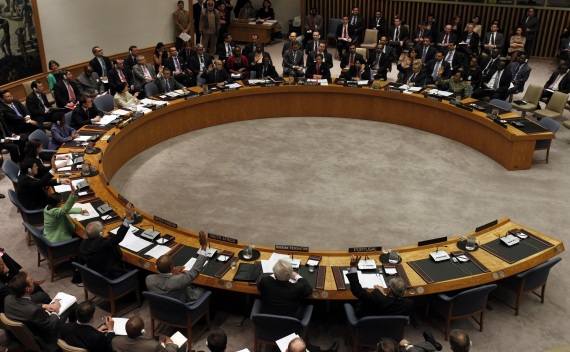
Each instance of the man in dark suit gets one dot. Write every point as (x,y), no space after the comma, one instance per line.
(199,63)
(530,25)
(345,35)
(378,23)
(251,46)
(165,82)
(558,82)
(38,105)
(318,69)
(495,85)
(398,35)
(187,52)
(420,34)
(31,190)
(293,62)
(493,39)
(196,11)
(216,74)
(288,44)
(313,44)
(103,254)
(469,41)
(414,76)
(119,74)
(42,319)
(14,147)
(83,335)
(225,48)
(279,295)
(490,62)
(455,58)
(178,69)
(101,64)
(266,69)
(434,66)
(381,301)
(426,51)
(136,341)
(85,113)
(256,57)
(313,23)
(520,71)
(565,50)
(445,37)
(16,115)
(378,62)
(131,59)
(350,57)
(66,92)
(321,49)
(358,23)
(356,72)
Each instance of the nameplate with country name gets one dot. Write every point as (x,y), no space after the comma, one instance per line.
(365,249)
(228,89)
(269,84)
(284,247)
(393,90)
(213,236)
(352,85)
(110,137)
(165,222)
(432,97)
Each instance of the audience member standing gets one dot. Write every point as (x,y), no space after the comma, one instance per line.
(182,23)
(530,25)
(210,27)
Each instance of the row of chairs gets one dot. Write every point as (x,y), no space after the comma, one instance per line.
(553,109)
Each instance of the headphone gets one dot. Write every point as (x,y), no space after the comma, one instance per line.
(29,170)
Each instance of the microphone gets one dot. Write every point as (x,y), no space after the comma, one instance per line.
(439,255)
(150,234)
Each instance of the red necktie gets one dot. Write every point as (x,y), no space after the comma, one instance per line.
(123,79)
(318,69)
(71,92)
(445,39)
(351,59)
(344,35)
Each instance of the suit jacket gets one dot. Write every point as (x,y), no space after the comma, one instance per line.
(194,63)
(15,123)
(34,106)
(504,83)
(283,297)
(140,344)
(404,34)
(31,191)
(318,22)
(43,326)
(358,24)
(486,63)
(430,55)
(251,59)
(351,73)
(287,47)
(457,61)
(81,117)
(416,35)
(431,66)
(115,78)
(521,76)
(61,94)
(177,286)
(380,25)
(161,84)
(97,65)
(499,39)
(389,51)
(130,61)
(138,75)
(563,85)
(290,60)
(186,55)
(350,31)
(532,24)
(383,64)
(328,59)
(312,70)
(473,43)
(452,38)
(270,71)
(86,336)
(103,254)
(311,46)
(5,130)
(346,59)
(375,303)
(93,86)
(222,50)
(172,65)
(419,80)
(182,21)
(60,135)
(217,76)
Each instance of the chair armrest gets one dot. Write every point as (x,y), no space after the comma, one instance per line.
(124,277)
(445,297)
(34,211)
(307,316)
(65,243)
(349,309)
(256,309)
(197,303)
(52,151)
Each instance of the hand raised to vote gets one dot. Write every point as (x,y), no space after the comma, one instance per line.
(129,210)
(203,240)
(354,260)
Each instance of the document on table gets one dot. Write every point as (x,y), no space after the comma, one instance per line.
(84,138)
(85,206)
(267,265)
(362,82)
(67,188)
(158,250)
(323,82)
(134,243)
(105,120)
(415,89)
(121,112)
(367,280)
(119,327)
(233,85)
(444,93)
(189,264)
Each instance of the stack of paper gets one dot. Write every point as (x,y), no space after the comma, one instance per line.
(367,280)
(66,301)
(267,265)
(85,206)
(105,120)
(134,243)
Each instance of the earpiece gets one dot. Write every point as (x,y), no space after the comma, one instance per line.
(29,170)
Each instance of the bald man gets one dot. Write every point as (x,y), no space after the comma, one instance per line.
(173,282)
(136,341)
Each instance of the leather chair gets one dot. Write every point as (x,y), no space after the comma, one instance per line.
(363,52)
(269,328)
(110,290)
(529,281)
(544,144)
(22,334)
(105,102)
(333,25)
(150,89)
(367,331)
(11,169)
(44,139)
(33,217)
(554,108)
(54,253)
(464,304)
(68,348)
(501,104)
(171,311)
(369,42)
(531,96)
(68,116)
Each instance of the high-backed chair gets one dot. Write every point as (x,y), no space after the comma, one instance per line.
(150,89)
(27,87)
(554,108)
(269,328)
(33,217)
(68,118)
(11,169)
(173,312)
(105,102)
(363,52)
(331,34)
(529,281)
(369,42)
(544,144)
(22,333)
(367,331)
(531,96)
(44,139)
(54,253)
(464,304)
(110,290)
(68,348)
(501,104)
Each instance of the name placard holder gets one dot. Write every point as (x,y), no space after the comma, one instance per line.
(273,84)
(105,178)
(284,247)
(213,236)
(352,85)
(110,138)
(365,249)
(123,199)
(393,90)
(165,222)
(433,97)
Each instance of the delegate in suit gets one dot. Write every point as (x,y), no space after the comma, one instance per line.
(83,335)
(136,341)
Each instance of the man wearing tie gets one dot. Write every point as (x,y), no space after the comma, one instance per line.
(454,58)
(119,74)
(558,82)
(199,63)
(85,113)
(493,39)
(379,62)
(344,35)
(350,58)
(16,115)
(165,82)
(293,62)
(322,49)
(469,41)
(101,64)
(435,66)
(225,48)
(426,51)
(358,23)
(520,70)
(216,74)
(530,26)
(143,73)
(313,45)
(178,69)
(313,22)
(65,91)
(318,69)
(398,36)
(414,76)
(378,23)
(38,105)
(266,69)
(446,37)
(421,33)
(495,85)
(287,45)
(131,59)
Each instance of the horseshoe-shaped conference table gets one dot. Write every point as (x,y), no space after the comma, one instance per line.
(492,261)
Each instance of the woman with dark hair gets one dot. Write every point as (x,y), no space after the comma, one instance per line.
(123,98)
(476,22)
(32,152)
(456,26)
(517,43)
(472,73)
(61,132)
(160,55)
(54,76)
(57,225)
(266,12)
(408,60)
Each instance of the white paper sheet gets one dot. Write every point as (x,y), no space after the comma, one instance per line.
(185,36)
(134,243)
(158,250)
(233,85)
(312,262)
(267,265)
(85,206)
(67,188)
(367,280)
(121,112)
(106,119)
(119,327)
(65,299)
(283,343)
(178,338)
(82,138)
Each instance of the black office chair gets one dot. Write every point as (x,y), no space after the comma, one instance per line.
(11,169)
(528,281)
(150,89)
(33,217)
(105,102)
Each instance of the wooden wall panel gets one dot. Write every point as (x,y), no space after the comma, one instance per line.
(412,12)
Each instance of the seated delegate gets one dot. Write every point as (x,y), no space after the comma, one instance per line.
(61,132)
(57,225)
(32,191)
